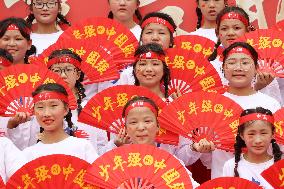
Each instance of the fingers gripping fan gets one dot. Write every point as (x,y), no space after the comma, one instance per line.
(269,44)
(191,72)
(195,44)
(113,37)
(104,110)
(229,183)
(53,171)
(274,175)
(139,165)
(279,126)
(203,115)
(17,82)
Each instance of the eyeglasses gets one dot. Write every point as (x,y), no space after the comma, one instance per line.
(245,65)
(40,5)
(67,70)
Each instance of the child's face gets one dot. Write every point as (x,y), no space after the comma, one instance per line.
(239,70)
(149,72)
(257,137)
(45,11)
(156,33)
(68,72)
(230,30)
(50,114)
(210,8)
(15,44)
(141,125)
(123,10)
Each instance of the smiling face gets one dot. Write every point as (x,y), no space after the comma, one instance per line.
(239,70)
(149,72)
(210,8)
(230,30)
(156,33)
(141,125)
(123,10)
(15,44)
(50,114)
(45,11)
(257,137)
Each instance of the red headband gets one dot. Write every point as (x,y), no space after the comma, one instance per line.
(240,50)
(140,104)
(159,21)
(50,95)
(256,116)
(64,59)
(150,55)
(4,62)
(12,27)
(235,15)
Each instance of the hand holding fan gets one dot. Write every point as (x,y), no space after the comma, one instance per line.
(191,72)
(229,183)
(274,175)
(139,165)
(279,126)
(104,110)
(17,83)
(53,171)
(203,115)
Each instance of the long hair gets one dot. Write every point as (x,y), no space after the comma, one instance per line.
(240,143)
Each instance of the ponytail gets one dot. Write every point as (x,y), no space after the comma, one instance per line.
(213,56)
(199,17)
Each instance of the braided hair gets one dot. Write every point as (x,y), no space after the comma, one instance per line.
(240,143)
(163,16)
(57,88)
(60,18)
(24,29)
(137,13)
(78,85)
(226,10)
(5,54)
(157,49)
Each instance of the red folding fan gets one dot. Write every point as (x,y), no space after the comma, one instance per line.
(17,83)
(191,72)
(269,45)
(279,126)
(203,115)
(96,64)
(274,175)
(2,185)
(52,171)
(113,37)
(229,183)
(104,110)
(195,44)
(279,26)
(139,165)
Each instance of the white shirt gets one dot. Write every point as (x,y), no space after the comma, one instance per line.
(208,33)
(249,171)
(43,41)
(11,159)
(70,146)
(219,157)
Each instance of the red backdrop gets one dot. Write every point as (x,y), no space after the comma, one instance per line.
(263,13)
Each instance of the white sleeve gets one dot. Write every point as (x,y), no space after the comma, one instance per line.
(14,158)
(206,159)
(109,146)
(126,77)
(90,153)
(25,134)
(184,153)
(273,91)
(228,168)
(102,140)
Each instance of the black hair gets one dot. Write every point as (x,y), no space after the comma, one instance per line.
(159,50)
(218,22)
(139,98)
(163,16)
(78,85)
(57,88)
(137,13)
(240,143)
(60,18)
(247,46)
(24,29)
(5,54)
